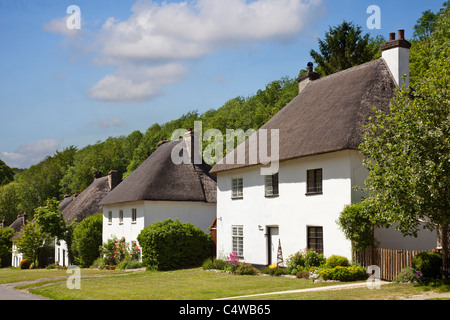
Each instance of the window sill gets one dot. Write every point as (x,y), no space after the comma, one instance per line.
(271,195)
(236,198)
(313,193)
(133,222)
(120,223)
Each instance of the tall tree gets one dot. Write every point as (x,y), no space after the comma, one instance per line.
(343,47)
(6,173)
(407,152)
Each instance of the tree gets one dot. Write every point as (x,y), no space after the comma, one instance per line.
(344,46)
(51,223)
(6,173)
(357,223)
(425,25)
(5,246)
(407,152)
(32,240)
(87,239)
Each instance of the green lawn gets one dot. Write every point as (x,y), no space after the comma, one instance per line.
(194,284)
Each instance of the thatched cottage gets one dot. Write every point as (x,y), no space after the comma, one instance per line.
(158,190)
(297,205)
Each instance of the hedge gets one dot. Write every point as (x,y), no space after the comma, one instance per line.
(170,244)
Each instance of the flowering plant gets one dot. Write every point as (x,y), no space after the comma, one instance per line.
(409,275)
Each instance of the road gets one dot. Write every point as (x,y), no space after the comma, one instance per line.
(7,292)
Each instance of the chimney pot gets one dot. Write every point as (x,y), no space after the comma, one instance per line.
(401,34)
(392,36)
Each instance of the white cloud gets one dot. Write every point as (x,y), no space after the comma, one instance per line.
(30,153)
(186,30)
(150,46)
(136,84)
(59,26)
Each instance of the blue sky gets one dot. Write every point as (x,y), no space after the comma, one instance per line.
(136,62)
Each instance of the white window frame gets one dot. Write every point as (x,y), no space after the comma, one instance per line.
(237,240)
(109,217)
(133,215)
(120,216)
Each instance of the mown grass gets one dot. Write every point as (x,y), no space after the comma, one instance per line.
(196,284)
(188,284)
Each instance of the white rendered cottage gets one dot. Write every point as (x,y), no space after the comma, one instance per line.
(319,166)
(80,206)
(158,190)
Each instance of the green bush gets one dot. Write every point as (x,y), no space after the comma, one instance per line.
(313,259)
(295,261)
(246,269)
(428,263)
(409,275)
(216,264)
(87,238)
(340,273)
(170,244)
(335,261)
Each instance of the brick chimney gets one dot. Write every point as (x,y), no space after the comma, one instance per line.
(113,179)
(307,77)
(25,216)
(396,54)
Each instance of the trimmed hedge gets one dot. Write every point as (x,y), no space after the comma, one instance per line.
(170,244)
(339,273)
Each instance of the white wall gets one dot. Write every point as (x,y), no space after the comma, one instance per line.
(200,214)
(292,211)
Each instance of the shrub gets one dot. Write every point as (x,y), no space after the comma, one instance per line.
(295,261)
(340,273)
(409,275)
(129,263)
(335,261)
(313,259)
(428,263)
(216,264)
(170,244)
(246,269)
(87,237)
(25,264)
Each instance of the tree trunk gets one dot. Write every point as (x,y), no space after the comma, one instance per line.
(444,243)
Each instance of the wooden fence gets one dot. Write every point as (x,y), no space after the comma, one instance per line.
(390,261)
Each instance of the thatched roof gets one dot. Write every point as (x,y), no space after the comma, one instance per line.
(87,203)
(158,178)
(328,114)
(17,226)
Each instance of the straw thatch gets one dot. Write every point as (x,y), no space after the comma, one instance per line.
(328,115)
(159,178)
(87,203)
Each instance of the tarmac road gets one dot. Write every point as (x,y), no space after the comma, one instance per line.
(7,292)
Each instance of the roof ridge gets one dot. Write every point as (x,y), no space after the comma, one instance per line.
(351,69)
